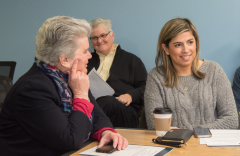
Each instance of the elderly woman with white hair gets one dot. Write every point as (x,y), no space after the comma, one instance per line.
(50,109)
(123,71)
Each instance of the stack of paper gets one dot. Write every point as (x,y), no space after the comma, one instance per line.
(222,138)
(132,150)
(98,86)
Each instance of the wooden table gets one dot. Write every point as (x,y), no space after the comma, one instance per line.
(144,137)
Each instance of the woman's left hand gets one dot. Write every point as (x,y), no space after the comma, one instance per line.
(78,81)
(125,99)
(118,141)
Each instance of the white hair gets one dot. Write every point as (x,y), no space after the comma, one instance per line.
(107,24)
(58,36)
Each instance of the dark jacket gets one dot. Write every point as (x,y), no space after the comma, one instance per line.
(32,123)
(236,87)
(127,75)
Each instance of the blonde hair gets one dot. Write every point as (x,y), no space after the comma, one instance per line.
(58,36)
(170,30)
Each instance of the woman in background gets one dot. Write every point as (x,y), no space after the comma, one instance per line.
(50,110)
(198,91)
(123,71)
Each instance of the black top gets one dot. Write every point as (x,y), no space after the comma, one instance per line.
(127,75)
(32,123)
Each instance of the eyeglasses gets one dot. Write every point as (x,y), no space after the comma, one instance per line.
(101,36)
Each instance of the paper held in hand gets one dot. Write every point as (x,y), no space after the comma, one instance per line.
(98,86)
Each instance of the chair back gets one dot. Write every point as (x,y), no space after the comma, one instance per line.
(7,68)
(5,85)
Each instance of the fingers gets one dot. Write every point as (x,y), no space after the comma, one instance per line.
(125,99)
(119,142)
(74,67)
(115,141)
(78,81)
(174,128)
(120,100)
(101,143)
(125,143)
(128,103)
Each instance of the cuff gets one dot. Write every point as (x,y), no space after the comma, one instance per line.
(83,105)
(98,134)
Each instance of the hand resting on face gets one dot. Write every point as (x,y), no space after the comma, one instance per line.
(78,82)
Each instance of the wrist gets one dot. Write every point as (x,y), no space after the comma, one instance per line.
(81,96)
(105,132)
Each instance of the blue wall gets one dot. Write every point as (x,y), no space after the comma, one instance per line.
(136,24)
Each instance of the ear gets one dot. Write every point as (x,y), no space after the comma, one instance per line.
(113,35)
(165,49)
(64,61)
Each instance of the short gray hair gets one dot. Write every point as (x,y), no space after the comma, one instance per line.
(107,24)
(58,36)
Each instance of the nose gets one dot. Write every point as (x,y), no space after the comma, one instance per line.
(99,39)
(185,48)
(89,55)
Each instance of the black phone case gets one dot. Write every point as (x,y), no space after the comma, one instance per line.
(106,149)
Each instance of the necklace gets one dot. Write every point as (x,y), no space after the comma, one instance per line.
(184,84)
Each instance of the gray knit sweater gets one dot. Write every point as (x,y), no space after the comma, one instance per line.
(207,103)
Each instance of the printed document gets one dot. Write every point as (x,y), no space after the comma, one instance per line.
(222,138)
(98,86)
(132,150)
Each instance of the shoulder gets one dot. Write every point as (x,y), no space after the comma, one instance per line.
(236,75)
(35,79)
(127,55)
(94,55)
(210,66)
(157,74)
(214,72)
(238,70)
(154,71)
(33,85)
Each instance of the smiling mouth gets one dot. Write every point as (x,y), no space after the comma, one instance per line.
(185,56)
(101,44)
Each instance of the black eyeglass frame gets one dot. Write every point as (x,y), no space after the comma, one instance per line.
(101,36)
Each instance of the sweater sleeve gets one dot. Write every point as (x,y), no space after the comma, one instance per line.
(140,76)
(225,103)
(100,118)
(83,105)
(236,88)
(98,134)
(152,99)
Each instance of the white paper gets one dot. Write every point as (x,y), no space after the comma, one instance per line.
(131,150)
(222,138)
(98,86)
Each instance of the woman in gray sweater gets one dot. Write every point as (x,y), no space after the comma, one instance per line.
(198,91)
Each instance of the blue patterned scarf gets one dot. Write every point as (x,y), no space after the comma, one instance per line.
(60,79)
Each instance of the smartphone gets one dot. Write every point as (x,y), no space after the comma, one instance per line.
(106,149)
(202,133)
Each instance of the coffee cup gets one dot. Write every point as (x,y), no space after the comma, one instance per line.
(162,117)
